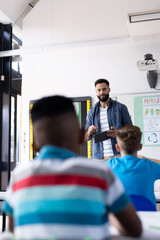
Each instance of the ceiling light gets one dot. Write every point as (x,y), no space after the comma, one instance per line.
(142,17)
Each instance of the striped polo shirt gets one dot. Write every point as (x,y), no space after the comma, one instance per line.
(63,196)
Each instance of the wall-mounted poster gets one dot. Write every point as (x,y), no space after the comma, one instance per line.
(147,117)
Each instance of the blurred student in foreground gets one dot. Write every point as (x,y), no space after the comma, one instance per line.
(137,174)
(61,194)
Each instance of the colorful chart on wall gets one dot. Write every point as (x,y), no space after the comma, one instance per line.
(147,117)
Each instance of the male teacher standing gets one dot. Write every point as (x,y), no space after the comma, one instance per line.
(107,115)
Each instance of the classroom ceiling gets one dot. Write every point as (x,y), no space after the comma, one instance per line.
(114,15)
(13,11)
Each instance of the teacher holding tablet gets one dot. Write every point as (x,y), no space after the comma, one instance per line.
(103,120)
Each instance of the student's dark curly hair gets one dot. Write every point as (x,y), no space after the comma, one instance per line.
(51,106)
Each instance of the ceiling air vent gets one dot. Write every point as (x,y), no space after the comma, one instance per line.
(144,25)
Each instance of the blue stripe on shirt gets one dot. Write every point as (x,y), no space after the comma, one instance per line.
(61,206)
(61,218)
(59,192)
(120,204)
(47,152)
(7,208)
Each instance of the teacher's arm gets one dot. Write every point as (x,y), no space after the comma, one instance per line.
(126,119)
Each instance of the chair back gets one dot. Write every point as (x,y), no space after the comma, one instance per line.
(142,203)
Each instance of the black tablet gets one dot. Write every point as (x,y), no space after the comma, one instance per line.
(99,137)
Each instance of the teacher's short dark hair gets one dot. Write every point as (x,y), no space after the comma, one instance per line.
(101,80)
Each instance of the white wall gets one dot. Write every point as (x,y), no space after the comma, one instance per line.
(71,69)
(76,20)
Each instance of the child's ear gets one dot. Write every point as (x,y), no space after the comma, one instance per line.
(36,146)
(140,146)
(118,148)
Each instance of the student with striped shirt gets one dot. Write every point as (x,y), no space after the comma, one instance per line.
(61,195)
(107,115)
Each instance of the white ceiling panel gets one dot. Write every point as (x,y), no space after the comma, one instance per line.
(13,8)
(109,14)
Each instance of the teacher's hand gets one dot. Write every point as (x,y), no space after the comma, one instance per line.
(112,132)
(92,129)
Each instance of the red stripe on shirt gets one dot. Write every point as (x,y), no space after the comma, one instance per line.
(60,179)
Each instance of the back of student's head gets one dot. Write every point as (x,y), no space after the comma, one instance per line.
(129,139)
(55,123)
(51,106)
